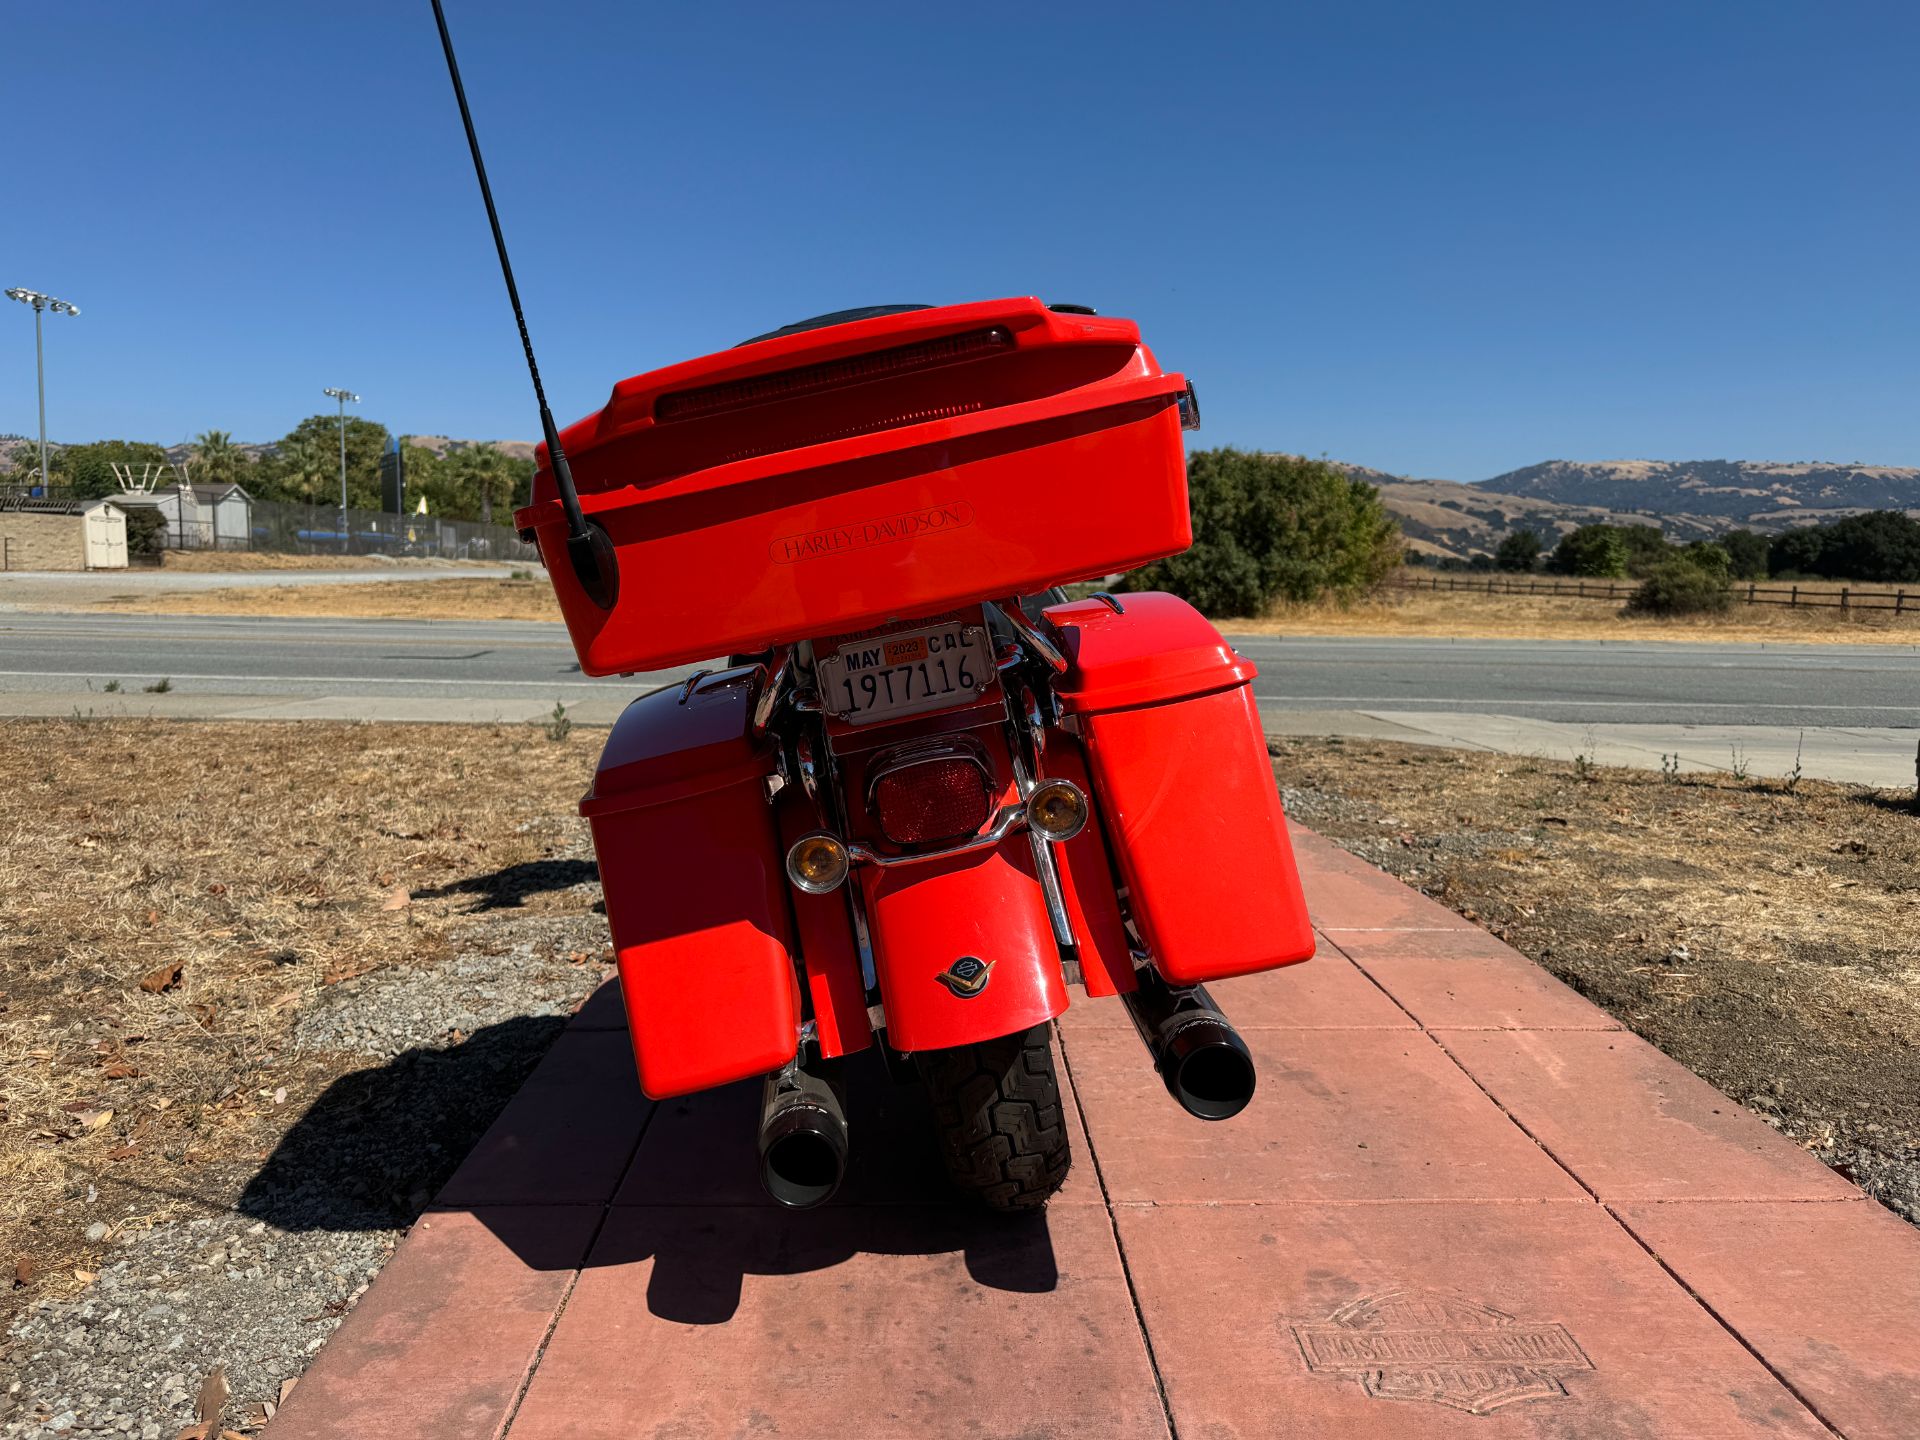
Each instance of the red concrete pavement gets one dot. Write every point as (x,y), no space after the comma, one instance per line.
(1464,1202)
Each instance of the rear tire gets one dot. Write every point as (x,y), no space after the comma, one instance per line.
(1002,1128)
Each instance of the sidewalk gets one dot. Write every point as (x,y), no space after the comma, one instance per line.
(1882,757)
(1463,1203)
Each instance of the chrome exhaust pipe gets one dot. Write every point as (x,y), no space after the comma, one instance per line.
(1200,1056)
(803,1138)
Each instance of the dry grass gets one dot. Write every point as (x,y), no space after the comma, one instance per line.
(1767,937)
(225,561)
(502,599)
(1449,615)
(173,895)
(1461,616)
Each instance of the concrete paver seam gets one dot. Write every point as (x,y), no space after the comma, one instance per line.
(573,1279)
(1694,1295)
(1119,1245)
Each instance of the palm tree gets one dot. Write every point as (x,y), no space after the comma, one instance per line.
(485,469)
(309,472)
(217,455)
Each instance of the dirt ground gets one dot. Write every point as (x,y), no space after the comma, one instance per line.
(1461,615)
(465,599)
(221,561)
(1458,615)
(261,987)
(1768,939)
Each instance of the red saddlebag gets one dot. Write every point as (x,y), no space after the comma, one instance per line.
(696,896)
(1184,786)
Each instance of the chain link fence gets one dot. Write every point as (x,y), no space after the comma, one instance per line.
(284,529)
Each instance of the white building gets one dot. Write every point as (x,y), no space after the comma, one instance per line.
(199,517)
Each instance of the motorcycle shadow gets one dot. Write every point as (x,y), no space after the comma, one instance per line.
(379,1144)
(692,1210)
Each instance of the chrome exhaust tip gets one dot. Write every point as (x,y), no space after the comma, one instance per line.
(803,1139)
(1201,1058)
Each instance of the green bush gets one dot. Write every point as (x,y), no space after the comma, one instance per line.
(1268,528)
(146,534)
(1519,552)
(1881,545)
(1682,587)
(1707,556)
(1747,552)
(1591,551)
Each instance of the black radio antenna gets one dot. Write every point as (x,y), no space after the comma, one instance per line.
(589,549)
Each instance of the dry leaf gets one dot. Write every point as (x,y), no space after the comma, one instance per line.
(212,1398)
(286,1387)
(165,978)
(122,1072)
(216,889)
(23,1272)
(86,1277)
(153,918)
(347,970)
(400,899)
(195,1432)
(94,1119)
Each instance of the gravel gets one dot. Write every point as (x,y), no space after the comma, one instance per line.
(128,1356)
(422,1058)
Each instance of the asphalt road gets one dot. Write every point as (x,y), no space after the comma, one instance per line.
(1571,682)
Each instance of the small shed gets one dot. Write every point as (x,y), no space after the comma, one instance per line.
(225,515)
(38,534)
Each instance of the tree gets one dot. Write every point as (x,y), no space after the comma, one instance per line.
(1591,550)
(1711,558)
(294,472)
(486,475)
(1646,547)
(300,471)
(1747,554)
(1275,527)
(1881,545)
(1519,552)
(217,456)
(88,469)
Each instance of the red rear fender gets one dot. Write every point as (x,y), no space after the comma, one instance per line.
(962,947)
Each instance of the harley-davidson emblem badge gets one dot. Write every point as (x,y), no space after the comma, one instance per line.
(967,976)
(1420,1345)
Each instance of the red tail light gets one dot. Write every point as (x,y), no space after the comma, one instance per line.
(932,800)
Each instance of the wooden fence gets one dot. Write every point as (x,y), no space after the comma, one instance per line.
(1843,597)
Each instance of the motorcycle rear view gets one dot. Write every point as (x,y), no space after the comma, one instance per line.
(917,796)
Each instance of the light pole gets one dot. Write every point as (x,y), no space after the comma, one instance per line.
(343,396)
(41,303)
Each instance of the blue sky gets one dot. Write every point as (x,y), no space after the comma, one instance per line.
(1438,239)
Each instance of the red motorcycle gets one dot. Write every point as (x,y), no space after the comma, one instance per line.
(926,793)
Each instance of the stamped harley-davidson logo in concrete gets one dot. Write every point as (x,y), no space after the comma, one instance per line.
(1423,1345)
(864,534)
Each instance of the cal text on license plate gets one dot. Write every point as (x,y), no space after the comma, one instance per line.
(894,675)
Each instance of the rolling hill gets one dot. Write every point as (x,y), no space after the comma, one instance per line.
(1687,499)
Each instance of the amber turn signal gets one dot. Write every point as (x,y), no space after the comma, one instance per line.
(1056,809)
(817,862)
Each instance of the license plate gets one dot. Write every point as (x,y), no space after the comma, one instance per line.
(905,673)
